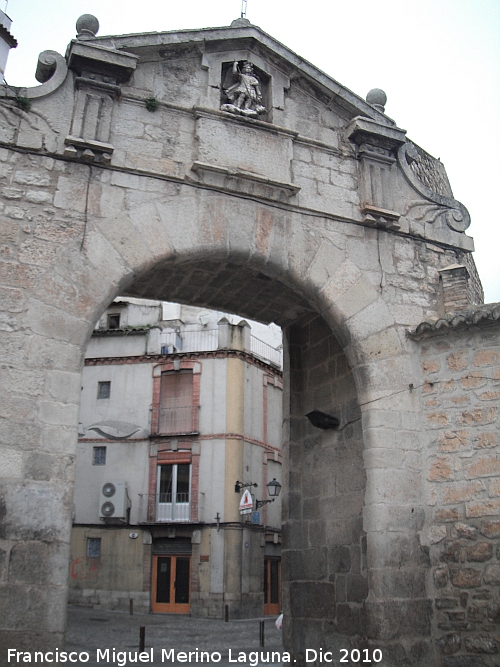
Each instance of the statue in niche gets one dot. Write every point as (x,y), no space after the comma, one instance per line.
(242,89)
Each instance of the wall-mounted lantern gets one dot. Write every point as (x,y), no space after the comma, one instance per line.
(273,490)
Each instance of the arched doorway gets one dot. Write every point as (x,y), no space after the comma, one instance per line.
(323,474)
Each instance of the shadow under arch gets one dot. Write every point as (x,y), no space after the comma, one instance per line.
(325,582)
(228,283)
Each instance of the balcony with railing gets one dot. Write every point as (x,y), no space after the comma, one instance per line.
(207,340)
(266,352)
(165,508)
(172,507)
(177,420)
(203,340)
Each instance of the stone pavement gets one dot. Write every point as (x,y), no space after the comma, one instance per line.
(91,631)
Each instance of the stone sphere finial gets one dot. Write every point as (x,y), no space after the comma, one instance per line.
(377,98)
(87,27)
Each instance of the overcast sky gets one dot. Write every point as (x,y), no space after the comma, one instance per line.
(437,60)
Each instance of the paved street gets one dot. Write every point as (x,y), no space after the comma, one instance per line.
(212,642)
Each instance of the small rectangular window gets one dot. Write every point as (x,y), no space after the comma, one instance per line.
(103,389)
(93,547)
(99,456)
(114,321)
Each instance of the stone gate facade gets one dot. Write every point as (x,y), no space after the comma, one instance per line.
(217,168)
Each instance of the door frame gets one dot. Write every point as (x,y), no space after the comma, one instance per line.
(171,607)
(271,608)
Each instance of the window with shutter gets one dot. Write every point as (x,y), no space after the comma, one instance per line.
(176,403)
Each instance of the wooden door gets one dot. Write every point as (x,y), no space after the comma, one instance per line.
(171,584)
(272,586)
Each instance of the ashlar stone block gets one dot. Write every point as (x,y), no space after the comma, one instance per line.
(11,463)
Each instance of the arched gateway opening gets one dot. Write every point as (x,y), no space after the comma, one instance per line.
(324,559)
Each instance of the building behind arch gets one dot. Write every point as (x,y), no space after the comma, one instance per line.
(178,405)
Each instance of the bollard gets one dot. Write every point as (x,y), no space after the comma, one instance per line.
(131,605)
(142,638)
(226,613)
(261,632)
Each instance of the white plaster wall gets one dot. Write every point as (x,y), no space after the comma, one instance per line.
(130,400)
(133,312)
(253,402)
(212,479)
(216,561)
(116,346)
(125,461)
(253,469)
(274,415)
(269,333)
(141,314)
(212,417)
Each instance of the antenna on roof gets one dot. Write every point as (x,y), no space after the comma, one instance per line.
(243,9)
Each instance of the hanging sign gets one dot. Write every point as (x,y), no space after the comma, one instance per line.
(246,502)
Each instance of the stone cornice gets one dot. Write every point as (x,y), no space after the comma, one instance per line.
(161,358)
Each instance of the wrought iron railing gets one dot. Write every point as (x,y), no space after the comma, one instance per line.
(160,508)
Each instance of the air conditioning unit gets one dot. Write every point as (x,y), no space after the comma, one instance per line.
(113,500)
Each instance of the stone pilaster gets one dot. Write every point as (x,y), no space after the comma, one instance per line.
(100,71)
(377,148)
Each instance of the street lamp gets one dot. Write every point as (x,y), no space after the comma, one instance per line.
(273,490)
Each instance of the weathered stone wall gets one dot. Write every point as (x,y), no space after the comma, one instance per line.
(377,284)
(324,552)
(460,394)
(320,210)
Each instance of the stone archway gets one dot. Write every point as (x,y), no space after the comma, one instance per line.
(325,547)
(258,280)
(316,217)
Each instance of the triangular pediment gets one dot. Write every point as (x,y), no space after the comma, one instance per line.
(242,40)
(238,113)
